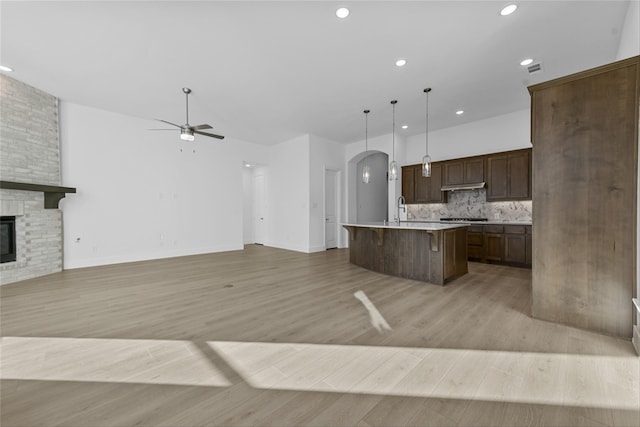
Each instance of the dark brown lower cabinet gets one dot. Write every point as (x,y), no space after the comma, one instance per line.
(493,246)
(508,244)
(475,242)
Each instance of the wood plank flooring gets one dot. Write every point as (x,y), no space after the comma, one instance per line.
(277,338)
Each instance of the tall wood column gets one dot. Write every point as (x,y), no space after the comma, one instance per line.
(585,141)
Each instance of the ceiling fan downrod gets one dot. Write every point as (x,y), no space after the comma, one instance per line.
(187,91)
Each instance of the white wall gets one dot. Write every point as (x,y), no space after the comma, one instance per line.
(630,36)
(501,133)
(288,195)
(247,206)
(324,155)
(138,197)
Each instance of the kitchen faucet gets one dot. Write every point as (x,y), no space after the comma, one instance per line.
(401,204)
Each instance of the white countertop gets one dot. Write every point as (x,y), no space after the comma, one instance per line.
(427,226)
(489,222)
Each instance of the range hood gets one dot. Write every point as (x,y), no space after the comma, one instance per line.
(460,187)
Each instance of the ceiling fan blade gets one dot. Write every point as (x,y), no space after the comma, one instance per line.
(172,130)
(208,134)
(200,127)
(169,123)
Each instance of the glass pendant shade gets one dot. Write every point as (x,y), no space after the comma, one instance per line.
(426,160)
(366,170)
(426,166)
(366,174)
(393,166)
(393,170)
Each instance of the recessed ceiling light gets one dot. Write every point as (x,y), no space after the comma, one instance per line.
(460,112)
(401,62)
(5,68)
(508,10)
(405,126)
(342,12)
(526,62)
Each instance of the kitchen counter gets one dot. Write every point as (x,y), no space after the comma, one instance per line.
(489,222)
(413,225)
(427,251)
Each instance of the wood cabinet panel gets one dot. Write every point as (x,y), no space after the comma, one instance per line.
(493,246)
(497,187)
(519,175)
(507,244)
(453,172)
(419,189)
(473,170)
(515,248)
(469,170)
(585,138)
(408,184)
(509,175)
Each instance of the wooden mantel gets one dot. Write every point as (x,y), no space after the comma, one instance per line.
(52,193)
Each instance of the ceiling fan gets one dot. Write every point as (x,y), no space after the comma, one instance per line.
(187,131)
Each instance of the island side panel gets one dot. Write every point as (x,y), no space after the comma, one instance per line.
(455,253)
(402,253)
(407,254)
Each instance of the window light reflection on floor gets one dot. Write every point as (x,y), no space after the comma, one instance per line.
(501,376)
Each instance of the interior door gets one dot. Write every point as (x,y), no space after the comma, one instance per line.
(259,208)
(330,210)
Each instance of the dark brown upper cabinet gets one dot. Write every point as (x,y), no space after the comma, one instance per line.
(469,170)
(509,175)
(418,189)
(408,184)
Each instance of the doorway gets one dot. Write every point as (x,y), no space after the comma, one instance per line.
(331,209)
(259,207)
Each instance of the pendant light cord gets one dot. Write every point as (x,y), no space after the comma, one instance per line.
(426,138)
(366,130)
(393,131)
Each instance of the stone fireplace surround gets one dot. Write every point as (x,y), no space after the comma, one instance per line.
(29,153)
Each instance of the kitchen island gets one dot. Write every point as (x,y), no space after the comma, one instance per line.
(429,252)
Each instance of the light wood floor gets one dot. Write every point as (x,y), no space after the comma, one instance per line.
(272,337)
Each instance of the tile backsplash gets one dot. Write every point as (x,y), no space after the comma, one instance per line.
(472,203)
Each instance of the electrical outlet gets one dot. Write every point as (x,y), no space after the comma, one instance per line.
(496,216)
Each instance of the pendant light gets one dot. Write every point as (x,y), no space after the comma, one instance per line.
(426,160)
(393,166)
(366,171)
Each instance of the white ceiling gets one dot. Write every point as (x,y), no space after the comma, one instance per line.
(268,71)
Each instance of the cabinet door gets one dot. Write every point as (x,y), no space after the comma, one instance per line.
(454,172)
(408,184)
(474,170)
(435,194)
(497,186)
(493,245)
(528,249)
(509,176)
(421,185)
(519,174)
(475,242)
(515,248)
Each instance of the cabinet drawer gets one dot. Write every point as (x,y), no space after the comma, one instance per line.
(514,229)
(475,229)
(474,239)
(494,229)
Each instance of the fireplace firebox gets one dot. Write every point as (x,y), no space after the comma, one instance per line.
(8,239)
